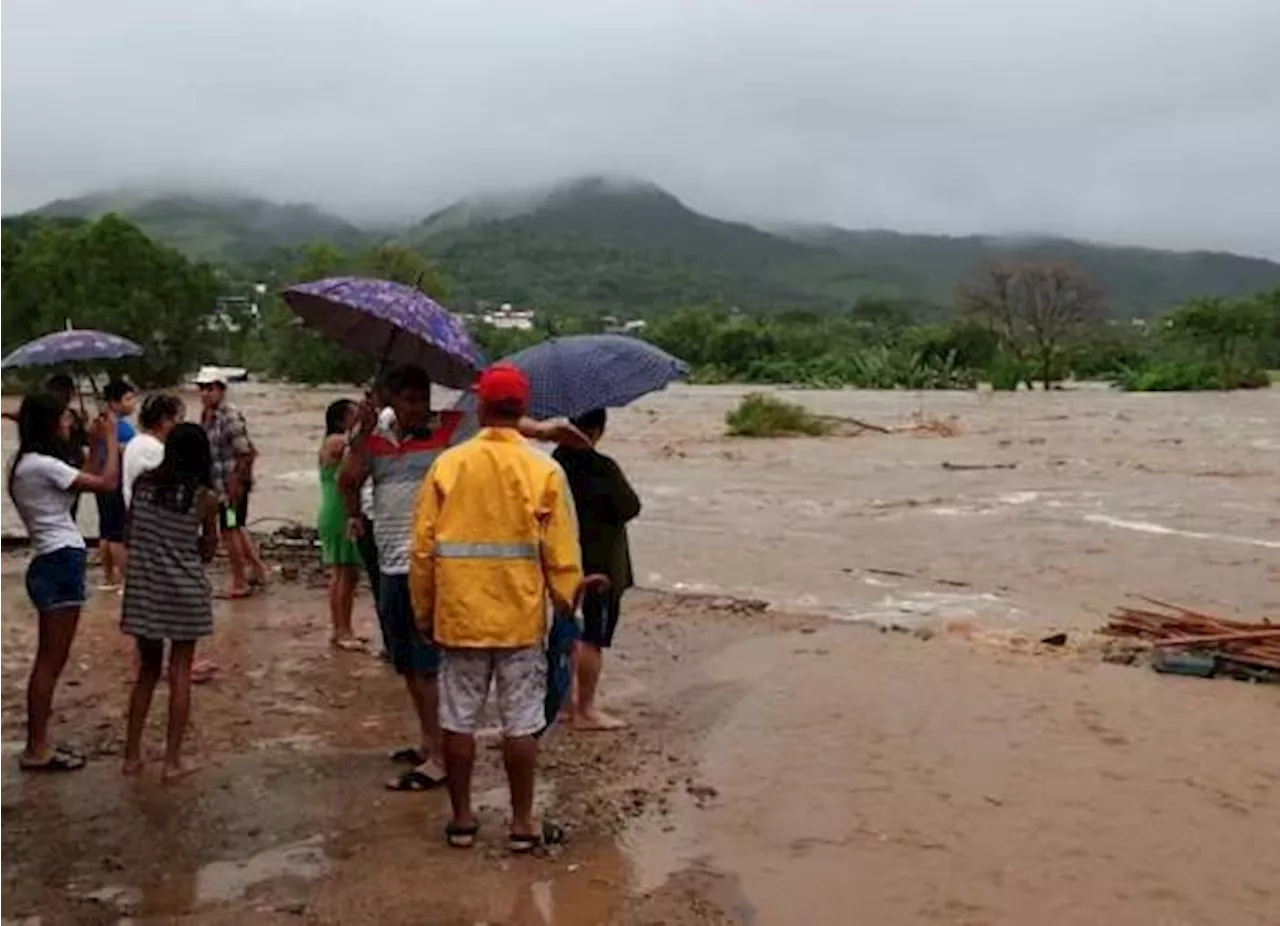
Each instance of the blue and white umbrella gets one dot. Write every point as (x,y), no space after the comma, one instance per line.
(573,375)
(75,345)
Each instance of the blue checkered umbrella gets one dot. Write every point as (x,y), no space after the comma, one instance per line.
(75,345)
(573,375)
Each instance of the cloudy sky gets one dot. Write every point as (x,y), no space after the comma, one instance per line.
(1145,121)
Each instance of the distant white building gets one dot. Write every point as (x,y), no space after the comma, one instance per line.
(613,326)
(509,317)
(232,313)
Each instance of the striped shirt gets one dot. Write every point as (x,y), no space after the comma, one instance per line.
(398,466)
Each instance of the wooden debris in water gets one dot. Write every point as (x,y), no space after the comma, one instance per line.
(919,425)
(1254,645)
(964,467)
(929,426)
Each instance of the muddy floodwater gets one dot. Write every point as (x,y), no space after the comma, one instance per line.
(790,760)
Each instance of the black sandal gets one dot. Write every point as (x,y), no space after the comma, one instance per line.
(461,835)
(409,755)
(414,780)
(524,843)
(59,761)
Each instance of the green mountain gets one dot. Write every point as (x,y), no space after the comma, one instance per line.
(629,247)
(626,246)
(224,229)
(1139,281)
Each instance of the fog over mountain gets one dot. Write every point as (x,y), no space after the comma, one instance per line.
(1153,122)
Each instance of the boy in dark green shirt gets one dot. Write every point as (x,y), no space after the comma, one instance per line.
(605,502)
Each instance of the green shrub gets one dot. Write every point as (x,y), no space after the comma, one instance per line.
(760,415)
(1005,373)
(1188,376)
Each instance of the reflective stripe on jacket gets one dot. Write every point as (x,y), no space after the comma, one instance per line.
(494,535)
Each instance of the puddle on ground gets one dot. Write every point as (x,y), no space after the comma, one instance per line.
(659,847)
(298,742)
(230,880)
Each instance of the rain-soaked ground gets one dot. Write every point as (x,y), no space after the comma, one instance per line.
(782,767)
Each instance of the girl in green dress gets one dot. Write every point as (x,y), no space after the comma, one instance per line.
(338,549)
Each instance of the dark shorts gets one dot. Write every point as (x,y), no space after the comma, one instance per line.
(111,512)
(369,552)
(56,580)
(241,509)
(409,650)
(600,618)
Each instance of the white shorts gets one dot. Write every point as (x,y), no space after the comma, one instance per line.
(520,675)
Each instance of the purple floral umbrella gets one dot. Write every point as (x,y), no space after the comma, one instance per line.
(391,323)
(75,345)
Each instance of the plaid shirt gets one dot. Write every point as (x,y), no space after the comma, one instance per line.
(228,441)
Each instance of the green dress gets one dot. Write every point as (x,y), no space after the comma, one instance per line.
(336,548)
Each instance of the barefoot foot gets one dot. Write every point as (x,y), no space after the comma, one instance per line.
(202,670)
(597,720)
(175,771)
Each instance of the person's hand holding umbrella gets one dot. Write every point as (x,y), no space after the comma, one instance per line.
(558,432)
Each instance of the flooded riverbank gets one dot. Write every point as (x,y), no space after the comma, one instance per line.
(781,767)
(1096,495)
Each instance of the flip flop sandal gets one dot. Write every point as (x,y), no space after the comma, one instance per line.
(58,762)
(408,755)
(461,835)
(414,780)
(523,844)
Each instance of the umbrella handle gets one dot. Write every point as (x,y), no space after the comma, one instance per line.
(93,385)
(385,359)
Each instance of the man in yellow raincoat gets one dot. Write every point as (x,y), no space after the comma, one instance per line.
(494,537)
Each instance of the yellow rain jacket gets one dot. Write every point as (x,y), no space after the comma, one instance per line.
(495,534)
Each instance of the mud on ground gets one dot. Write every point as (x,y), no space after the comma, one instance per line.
(288,817)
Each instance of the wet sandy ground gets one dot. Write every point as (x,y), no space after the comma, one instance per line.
(782,768)
(288,817)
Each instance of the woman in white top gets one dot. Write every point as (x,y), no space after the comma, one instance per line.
(160,414)
(43,487)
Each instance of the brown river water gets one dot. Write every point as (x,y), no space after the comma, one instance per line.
(783,766)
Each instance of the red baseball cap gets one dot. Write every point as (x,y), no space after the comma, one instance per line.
(504,382)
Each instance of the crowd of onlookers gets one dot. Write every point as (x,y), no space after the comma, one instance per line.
(465,532)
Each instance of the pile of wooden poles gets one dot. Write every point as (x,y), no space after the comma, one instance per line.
(1246,644)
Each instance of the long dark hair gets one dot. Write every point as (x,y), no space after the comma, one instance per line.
(39,422)
(335,417)
(186,469)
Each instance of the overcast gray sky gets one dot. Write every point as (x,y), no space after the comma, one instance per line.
(1143,121)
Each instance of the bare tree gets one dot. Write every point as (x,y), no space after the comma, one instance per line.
(1035,307)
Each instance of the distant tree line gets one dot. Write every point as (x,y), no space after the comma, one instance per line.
(1014,323)
(106,274)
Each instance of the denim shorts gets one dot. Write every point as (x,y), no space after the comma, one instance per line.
(55,581)
(409,650)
